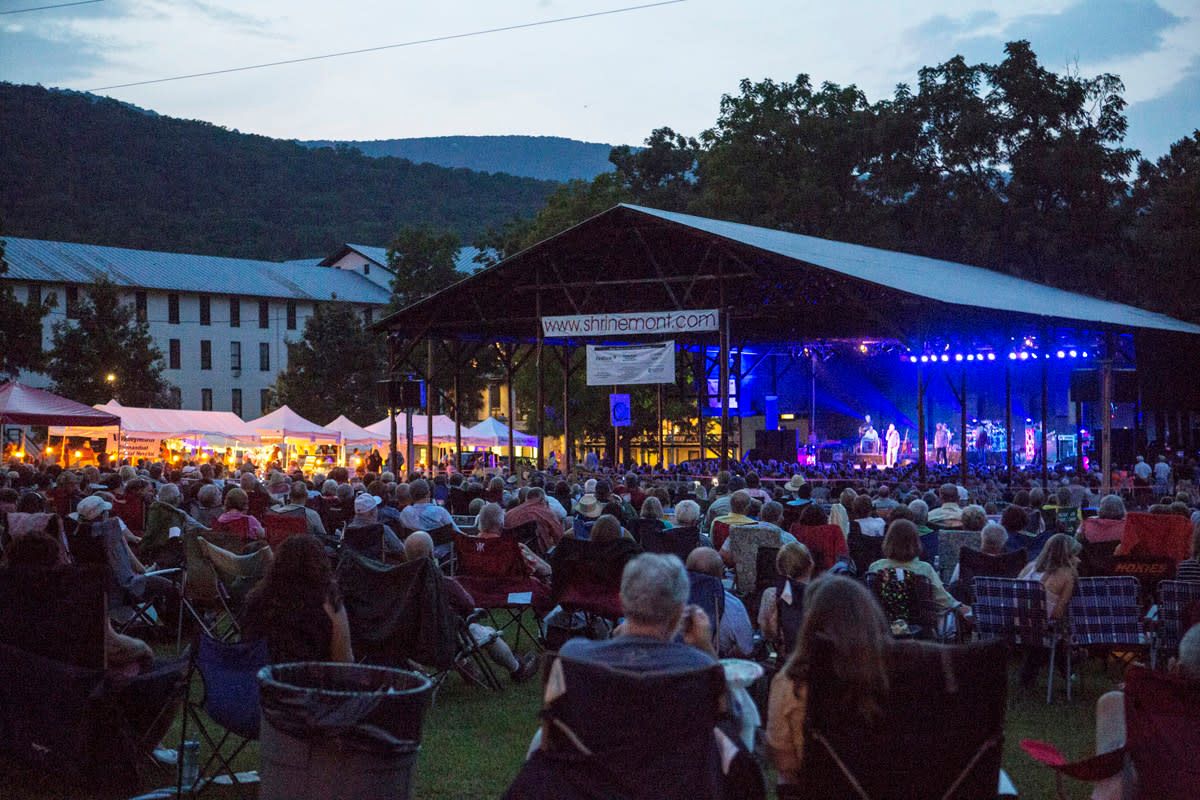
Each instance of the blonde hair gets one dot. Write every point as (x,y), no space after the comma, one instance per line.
(1057,554)
(794,560)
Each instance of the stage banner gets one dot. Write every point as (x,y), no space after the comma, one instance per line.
(135,447)
(633,323)
(620,414)
(631,364)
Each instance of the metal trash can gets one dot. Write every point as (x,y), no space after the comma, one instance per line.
(339,731)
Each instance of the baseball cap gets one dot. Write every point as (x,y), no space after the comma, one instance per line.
(365,502)
(91,508)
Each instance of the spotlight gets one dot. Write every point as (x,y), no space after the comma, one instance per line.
(1061,354)
(1024,356)
(862,348)
(1073,354)
(958,357)
(913,359)
(1012,356)
(970,356)
(924,359)
(1084,354)
(945,357)
(991,356)
(1033,355)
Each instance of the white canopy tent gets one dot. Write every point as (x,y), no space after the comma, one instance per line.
(354,435)
(284,425)
(443,428)
(495,434)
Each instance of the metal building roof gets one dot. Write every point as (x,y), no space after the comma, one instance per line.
(944,281)
(464,260)
(69,262)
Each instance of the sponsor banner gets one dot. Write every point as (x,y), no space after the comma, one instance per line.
(631,364)
(135,447)
(620,414)
(632,324)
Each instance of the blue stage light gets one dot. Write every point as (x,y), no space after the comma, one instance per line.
(1024,355)
(970,356)
(1012,356)
(1061,354)
(924,359)
(991,356)
(913,359)
(1073,354)
(1084,354)
(945,357)
(958,357)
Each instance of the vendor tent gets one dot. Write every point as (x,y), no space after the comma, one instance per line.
(495,434)
(24,405)
(167,423)
(354,435)
(443,427)
(283,424)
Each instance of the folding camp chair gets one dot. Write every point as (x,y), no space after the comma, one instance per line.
(1175,598)
(1096,558)
(229,671)
(950,544)
(527,534)
(679,542)
(864,551)
(1015,611)
(1162,737)
(708,593)
(826,543)
(972,563)
(744,544)
(905,595)
(259,503)
(636,731)
(1104,613)
(946,703)
(280,527)
(218,577)
(131,509)
(493,572)
(1157,536)
(586,576)
(366,540)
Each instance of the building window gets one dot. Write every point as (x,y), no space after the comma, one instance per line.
(173,354)
(264,356)
(291,315)
(235,312)
(235,403)
(205,354)
(173,309)
(176,397)
(235,356)
(139,304)
(206,399)
(366,268)
(72,302)
(35,295)
(264,401)
(264,314)
(368,315)
(205,310)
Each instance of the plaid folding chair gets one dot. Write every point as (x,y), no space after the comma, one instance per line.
(972,563)
(1174,600)
(1104,613)
(229,671)
(1015,611)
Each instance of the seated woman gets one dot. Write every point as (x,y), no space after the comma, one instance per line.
(842,611)
(1056,569)
(298,608)
(237,518)
(862,517)
(208,505)
(1109,523)
(785,600)
(652,511)
(902,550)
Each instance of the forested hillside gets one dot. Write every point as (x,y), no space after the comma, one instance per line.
(77,167)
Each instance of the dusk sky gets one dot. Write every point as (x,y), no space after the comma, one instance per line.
(608,79)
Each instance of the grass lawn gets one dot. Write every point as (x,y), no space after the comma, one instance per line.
(474,742)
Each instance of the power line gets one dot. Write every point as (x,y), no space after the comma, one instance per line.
(47,8)
(388,46)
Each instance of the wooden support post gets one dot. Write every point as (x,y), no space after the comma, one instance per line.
(661,446)
(511,411)
(1008,426)
(541,381)
(701,369)
(457,414)
(391,395)
(1106,398)
(922,463)
(962,404)
(430,390)
(568,449)
(724,388)
(1045,426)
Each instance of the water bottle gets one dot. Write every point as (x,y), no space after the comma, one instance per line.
(189,760)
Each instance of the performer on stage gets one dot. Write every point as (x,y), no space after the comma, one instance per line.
(941,443)
(893,446)
(982,440)
(868,437)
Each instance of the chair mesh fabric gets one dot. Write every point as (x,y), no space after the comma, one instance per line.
(973,563)
(1105,611)
(1157,535)
(1013,610)
(864,550)
(230,673)
(1162,722)
(950,543)
(1174,598)
(678,542)
(281,527)
(744,544)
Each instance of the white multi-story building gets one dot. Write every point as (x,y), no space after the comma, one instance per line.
(222,324)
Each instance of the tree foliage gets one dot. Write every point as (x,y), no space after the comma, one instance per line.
(334,368)
(106,339)
(424,262)
(20,329)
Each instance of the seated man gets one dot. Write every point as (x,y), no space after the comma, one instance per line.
(491,522)
(297,504)
(424,514)
(949,513)
(739,510)
(536,509)
(366,514)
(418,545)
(735,634)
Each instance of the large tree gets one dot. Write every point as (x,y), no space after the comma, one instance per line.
(334,368)
(424,261)
(20,329)
(1166,198)
(104,353)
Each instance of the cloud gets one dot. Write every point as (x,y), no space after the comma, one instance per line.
(1089,30)
(1154,125)
(31,57)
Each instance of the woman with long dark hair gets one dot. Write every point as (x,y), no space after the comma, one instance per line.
(298,608)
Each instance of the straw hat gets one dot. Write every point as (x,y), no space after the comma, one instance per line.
(794,484)
(589,506)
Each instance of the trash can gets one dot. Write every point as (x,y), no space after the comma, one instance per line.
(339,731)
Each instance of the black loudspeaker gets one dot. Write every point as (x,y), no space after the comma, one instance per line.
(779,445)
(1124,446)
(401,393)
(1085,386)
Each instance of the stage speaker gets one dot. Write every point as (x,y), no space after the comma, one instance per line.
(1124,446)
(1085,386)
(402,393)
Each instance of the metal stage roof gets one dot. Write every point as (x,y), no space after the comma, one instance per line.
(779,287)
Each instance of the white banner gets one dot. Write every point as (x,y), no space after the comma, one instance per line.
(632,364)
(135,447)
(634,323)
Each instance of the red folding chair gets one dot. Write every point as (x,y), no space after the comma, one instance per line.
(259,503)
(492,570)
(1162,737)
(827,543)
(132,511)
(281,527)
(1157,536)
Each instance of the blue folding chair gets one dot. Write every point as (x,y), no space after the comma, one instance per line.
(708,593)
(230,675)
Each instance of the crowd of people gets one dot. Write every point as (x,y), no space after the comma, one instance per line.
(830,524)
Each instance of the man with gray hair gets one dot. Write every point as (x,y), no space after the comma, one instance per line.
(424,514)
(654,593)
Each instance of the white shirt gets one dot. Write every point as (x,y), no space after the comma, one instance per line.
(1142,470)
(556,507)
(1162,472)
(426,517)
